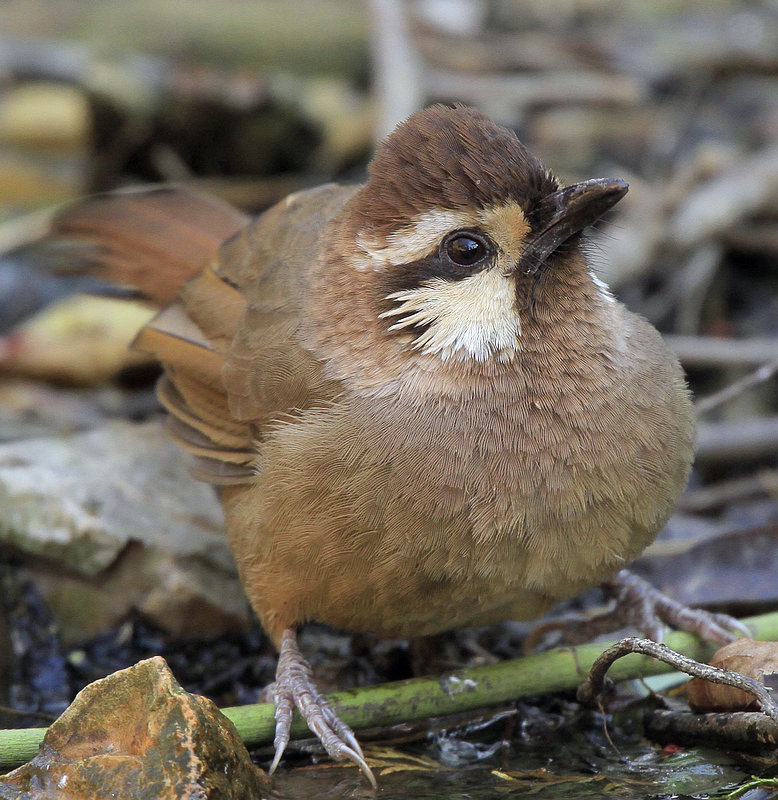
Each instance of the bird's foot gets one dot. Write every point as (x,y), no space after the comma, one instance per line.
(637,604)
(649,610)
(294,686)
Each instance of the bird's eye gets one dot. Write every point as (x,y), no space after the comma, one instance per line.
(466,249)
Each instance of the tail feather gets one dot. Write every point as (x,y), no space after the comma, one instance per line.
(214,305)
(202,408)
(173,338)
(150,239)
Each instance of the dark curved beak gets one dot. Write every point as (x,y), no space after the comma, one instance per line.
(567,212)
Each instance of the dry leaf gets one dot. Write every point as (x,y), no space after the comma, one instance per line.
(80,340)
(758,660)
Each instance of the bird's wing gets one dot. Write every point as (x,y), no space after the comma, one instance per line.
(267,373)
(231,290)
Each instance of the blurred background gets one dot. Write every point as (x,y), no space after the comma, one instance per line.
(253,99)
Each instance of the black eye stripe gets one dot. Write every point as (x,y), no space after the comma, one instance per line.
(436,266)
(401,277)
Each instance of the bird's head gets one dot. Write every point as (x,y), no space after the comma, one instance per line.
(456,232)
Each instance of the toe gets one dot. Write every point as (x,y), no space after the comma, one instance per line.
(284,703)
(295,687)
(648,609)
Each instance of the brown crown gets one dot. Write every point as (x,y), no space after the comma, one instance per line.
(446,158)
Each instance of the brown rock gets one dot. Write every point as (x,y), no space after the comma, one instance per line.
(137,734)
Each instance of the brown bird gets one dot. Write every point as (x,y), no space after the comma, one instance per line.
(423,409)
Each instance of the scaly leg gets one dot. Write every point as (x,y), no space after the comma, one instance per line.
(294,686)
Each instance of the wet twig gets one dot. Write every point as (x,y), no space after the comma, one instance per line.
(742,729)
(8,711)
(593,685)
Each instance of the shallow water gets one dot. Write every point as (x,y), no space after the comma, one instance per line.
(546,754)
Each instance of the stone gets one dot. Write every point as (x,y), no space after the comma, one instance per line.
(110,522)
(138,734)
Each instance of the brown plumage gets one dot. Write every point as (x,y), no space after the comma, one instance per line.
(422,408)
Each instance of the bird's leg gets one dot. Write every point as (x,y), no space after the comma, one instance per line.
(294,686)
(637,604)
(646,608)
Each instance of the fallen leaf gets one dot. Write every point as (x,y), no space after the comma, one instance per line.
(758,660)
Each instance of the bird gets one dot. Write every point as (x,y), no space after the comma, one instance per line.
(420,406)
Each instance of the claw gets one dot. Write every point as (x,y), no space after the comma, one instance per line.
(294,686)
(732,624)
(283,703)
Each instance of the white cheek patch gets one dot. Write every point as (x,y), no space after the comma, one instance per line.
(474,318)
(412,242)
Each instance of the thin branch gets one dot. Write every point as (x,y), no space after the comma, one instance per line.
(715,351)
(595,682)
(749,437)
(736,388)
(731,490)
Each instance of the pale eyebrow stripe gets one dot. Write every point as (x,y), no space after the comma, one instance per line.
(508,225)
(416,240)
(412,242)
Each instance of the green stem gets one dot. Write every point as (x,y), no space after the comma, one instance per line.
(420,698)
